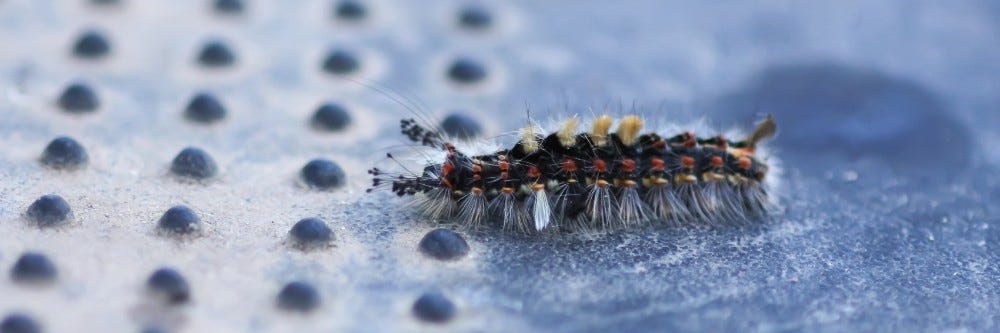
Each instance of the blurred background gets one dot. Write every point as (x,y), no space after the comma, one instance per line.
(886,110)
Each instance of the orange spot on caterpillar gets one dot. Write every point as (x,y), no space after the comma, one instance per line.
(600,166)
(687,162)
(744,163)
(628,165)
(533,172)
(657,165)
(717,161)
(446,169)
(568,165)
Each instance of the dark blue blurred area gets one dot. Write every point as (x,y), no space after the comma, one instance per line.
(833,115)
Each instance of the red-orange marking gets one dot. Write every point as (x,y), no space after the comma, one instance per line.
(744,163)
(717,161)
(446,169)
(687,162)
(600,166)
(568,165)
(533,172)
(628,165)
(657,165)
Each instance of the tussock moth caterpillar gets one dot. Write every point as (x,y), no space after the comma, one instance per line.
(594,180)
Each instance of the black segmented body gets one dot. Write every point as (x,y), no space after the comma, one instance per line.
(650,163)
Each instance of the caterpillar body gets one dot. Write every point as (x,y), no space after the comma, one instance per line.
(595,180)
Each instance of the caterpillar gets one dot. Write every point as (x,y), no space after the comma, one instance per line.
(595,180)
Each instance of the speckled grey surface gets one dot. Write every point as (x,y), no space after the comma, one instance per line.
(888,111)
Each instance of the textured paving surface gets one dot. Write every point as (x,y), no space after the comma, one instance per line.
(888,111)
